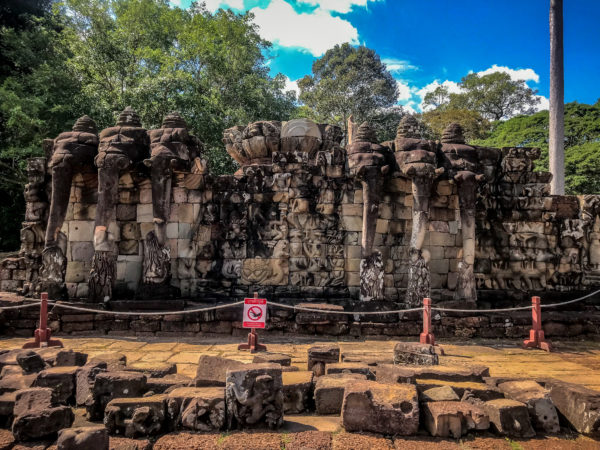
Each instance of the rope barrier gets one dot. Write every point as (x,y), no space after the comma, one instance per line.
(331,311)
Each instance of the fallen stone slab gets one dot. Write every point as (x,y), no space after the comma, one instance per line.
(481,391)
(391,373)
(579,405)
(366,357)
(541,409)
(111,385)
(509,417)
(212,370)
(42,423)
(167,383)
(415,354)
(11,370)
(452,418)
(61,380)
(329,391)
(359,368)
(7,440)
(277,358)
(254,396)
(297,391)
(197,409)
(8,358)
(114,361)
(7,406)
(70,358)
(439,394)
(32,399)
(320,356)
(381,408)
(30,361)
(84,381)
(152,369)
(16,382)
(136,416)
(474,373)
(88,438)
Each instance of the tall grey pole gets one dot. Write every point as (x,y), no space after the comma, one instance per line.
(557,99)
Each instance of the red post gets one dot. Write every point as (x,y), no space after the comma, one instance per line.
(536,334)
(427,336)
(253,344)
(43,333)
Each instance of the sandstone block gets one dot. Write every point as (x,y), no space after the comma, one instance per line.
(197,409)
(319,318)
(453,418)
(254,396)
(30,361)
(34,398)
(70,358)
(114,361)
(84,381)
(110,385)
(509,417)
(88,438)
(380,408)
(152,369)
(136,416)
(348,367)
(16,382)
(212,370)
(167,383)
(320,356)
(329,392)
(415,353)
(439,394)
(7,406)
(452,373)
(297,391)
(541,409)
(391,373)
(61,380)
(81,230)
(481,391)
(276,358)
(42,423)
(579,405)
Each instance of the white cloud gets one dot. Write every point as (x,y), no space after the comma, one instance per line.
(213,5)
(405,91)
(291,85)
(315,32)
(339,6)
(398,65)
(453,88)
(515,74)
(543,104)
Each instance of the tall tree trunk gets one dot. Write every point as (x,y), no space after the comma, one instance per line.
(557,99)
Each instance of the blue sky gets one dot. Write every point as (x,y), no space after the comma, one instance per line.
(430,42)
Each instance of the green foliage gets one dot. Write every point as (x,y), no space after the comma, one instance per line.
(474,125)
(347,81)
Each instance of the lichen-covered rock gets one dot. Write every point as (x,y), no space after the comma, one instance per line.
(88,438)
(381,408)
(254,396)
(415,353)
(453,418)
(541,409)
(320,356)
(329,391)
(297,391)
(197,409)
(42,423)
(61,380)
(111,385)
(212,370)
(136,417)
(509,417)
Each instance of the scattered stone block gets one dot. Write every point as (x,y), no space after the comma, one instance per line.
(114,361)
(578,404)
(136,416)
(34,398)
(277,358)
(381,408)
(61,380)
(16,382)
(480,391)
(84,381)
(439,394)
(320,356)
(7,440)
(70,358)
(167,383)
(391,373)
(360,368)
(541,409)
(329,391)
(7,406)
(152,369)
(42,423)
(453,418)
(212,370)
(110,385)
(509,417)
(197,409)
(254,396)
(11,370)
(88,438)
(368,358)
(415,354)
(297,391)
(30,361)
(474,373)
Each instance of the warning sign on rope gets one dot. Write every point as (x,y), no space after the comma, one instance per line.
(255,312)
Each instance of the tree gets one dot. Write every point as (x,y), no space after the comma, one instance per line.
(348,81)
(474,125)
(557,99)
(437,98)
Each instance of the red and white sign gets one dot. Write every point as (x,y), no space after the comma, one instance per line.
(255,312)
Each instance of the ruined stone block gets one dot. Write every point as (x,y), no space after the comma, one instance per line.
(30,361)
(136,416)
(320,356)
(541,409)
(212,370)
(329,392)
(16,382)
(380,408)
(415,353)
(439,394)
(578,404)
(254,396)
(197,409)
(391,373)
(481,391)
(70,358)
(349,367)
(297,391)
(453,418)
(276,358)
(88,438)
(42,423)
(509,417)
(61,380)
(7,405)
(167,383)
(110,385)
(34,398)
(84,381)
(152,369)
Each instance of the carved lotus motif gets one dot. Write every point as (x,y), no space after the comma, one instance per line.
(301,136)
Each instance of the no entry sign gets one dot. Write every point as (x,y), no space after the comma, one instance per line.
(255,312)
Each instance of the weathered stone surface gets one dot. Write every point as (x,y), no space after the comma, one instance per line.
(84,381)
(415,353)
(480,391)
(197,409)
(70,358)
(320,356)
(61,380)
(350,368)
(541,409)
(391,373)
(254,396)
(34,398)
(380,408)
(88,438)
(329,391)
(30,361)
(452,418)
(297,391)
(110,385)
(319,318)
(439,394)
(277,358)
(42,423)
(509,417)
(152,369)
(579,405)
(7,405)
(167,383)
(212,370)
(114,361)
(15,382)
(136,417)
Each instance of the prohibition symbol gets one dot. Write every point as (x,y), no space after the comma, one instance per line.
(254,313)
(255,310)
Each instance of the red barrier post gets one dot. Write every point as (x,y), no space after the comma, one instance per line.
(427,336)
(536,334)
(253,344)
(43,333)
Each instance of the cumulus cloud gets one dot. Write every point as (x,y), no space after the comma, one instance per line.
(544,103)
(291,85)
(405,91)
(339,6)
(515,74)
(315,32)
(213,5)
(398,65)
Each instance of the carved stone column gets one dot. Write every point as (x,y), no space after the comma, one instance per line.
(417,160)
(120,147)
(73,151)
(369,162)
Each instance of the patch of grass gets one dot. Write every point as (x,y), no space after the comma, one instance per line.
(514,445)
(285,439)
(222,438)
